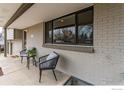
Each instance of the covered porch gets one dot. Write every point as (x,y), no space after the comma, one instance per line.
(88,37)
(16,73)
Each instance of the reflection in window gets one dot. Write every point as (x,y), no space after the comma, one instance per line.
(76,29)
(64,35)
(48,32)
(85,34)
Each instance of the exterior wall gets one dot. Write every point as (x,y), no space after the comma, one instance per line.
(16,47)
(10,34)
(106,65)
(15,37)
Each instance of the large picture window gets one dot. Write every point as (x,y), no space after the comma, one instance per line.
(64,35)
(64,30)
(85,27)
(76,29)
(85,34)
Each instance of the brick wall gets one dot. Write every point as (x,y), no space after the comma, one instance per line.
(106,65)
(109,40)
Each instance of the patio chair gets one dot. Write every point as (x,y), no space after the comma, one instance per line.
(23,54)
(28,54)
(48,62)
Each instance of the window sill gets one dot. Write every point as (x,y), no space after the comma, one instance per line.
(78,48)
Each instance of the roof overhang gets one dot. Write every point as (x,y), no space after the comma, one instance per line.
(6,12)
(41,12)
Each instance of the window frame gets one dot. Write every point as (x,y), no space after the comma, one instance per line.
(47,32)
(87,9)
(76,26)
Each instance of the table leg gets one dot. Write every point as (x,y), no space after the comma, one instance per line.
(28,62)
(34,61)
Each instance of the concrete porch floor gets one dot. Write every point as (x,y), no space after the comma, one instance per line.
(16,73)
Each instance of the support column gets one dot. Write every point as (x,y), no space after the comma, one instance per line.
(5,42)
(10,48)
(23,40)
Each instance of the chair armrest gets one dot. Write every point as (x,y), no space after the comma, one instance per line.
(47,61)
(51,63)
(43,57)
(23,52)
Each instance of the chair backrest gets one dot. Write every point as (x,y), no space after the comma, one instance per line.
(23,52)
(53,62)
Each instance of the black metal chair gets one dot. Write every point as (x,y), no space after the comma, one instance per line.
(23,54)
(48,64)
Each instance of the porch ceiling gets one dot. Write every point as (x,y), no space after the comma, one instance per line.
(44,12)
(6,11)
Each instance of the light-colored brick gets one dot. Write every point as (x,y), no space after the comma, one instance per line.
(107,63)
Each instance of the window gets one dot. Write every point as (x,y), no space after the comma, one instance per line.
(64,22)
(85,27)
(48,32)
(10,34)
(85,17)
(64,35)
(76,29)
(85,34)
(64,30)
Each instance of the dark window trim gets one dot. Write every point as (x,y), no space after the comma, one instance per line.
(72,46)
(64,43)
(76,29)
(52,31)
(46,32)
(64,26)
(83,24)
(93,25)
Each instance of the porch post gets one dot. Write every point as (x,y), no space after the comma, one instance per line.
(5,42)
(23,40)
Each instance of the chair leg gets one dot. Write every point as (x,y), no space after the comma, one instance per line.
(28,62)
(21,59)
(54,74)
(40,74)
(34,61)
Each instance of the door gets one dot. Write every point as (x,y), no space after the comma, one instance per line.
(24,39)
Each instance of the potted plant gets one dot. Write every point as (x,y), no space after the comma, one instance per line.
(32,52)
